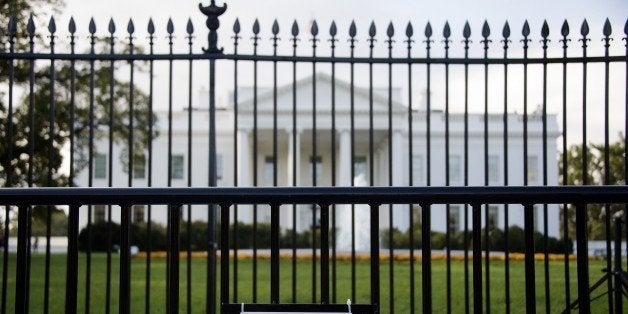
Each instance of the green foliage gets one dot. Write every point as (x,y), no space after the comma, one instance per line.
(197,240)
(58,221)
(72,86)
(496,240)
(596,174)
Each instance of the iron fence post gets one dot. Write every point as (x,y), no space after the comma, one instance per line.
(212,12)
(71,283)
(617,271)
(125,259)
(582,254)
(21,287)
(174,219)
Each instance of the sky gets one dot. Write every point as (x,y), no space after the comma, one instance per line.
(399,12)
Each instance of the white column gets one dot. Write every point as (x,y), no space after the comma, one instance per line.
(296,151)
(345,159)
(398,168)
(244,158)
(398,152)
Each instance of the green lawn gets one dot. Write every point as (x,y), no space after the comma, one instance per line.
(401,280)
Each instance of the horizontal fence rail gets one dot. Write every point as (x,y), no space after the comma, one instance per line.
(23,198)
(315,162)
(528,195)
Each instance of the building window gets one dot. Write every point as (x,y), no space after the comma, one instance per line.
(177,167)
(533,169)
(454,218)
(139,167)
(138,213)
(319,167)
(417,170)
(454,168)
(493,215)
(219,167)
(493,169)
(100,166)
(269,168)
(359,170)
(99,213)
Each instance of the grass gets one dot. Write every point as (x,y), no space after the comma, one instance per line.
(401,276)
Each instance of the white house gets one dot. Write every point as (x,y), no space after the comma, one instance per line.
(244,141)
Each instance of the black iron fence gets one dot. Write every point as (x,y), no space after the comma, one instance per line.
(89,107)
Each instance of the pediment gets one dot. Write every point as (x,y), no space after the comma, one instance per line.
(304,97)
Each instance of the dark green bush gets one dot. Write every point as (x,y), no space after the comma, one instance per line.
(496,240)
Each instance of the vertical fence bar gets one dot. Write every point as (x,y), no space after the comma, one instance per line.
(71,281)
(374,277)
(21,279)
(607,167)
(324,253)
(626,126)
(88,257)
(581,212)
(255,135)
(111,29)
(332,33)
(485,33)
(528,211)
(426,255)
(506,35)
(72,29)
(477,257)
(352,40)
(446,41)
(31,154)
(236,31)
(371,41)
(375,283)
(188,226)
(626,130)
(224,254)
(426,228)
(274,253)
(131,139)
(170,30)
(51,130)
(409,33)
(391,246)
(149,224)
(212,180)
(125,259)
(530,279)
(466,34)
(544,34)
(9,170)
(582,255)
(584,31)
(172,293)
(314,161)
(275,31)
(274,210)
(618,285)
(295,167)
(564,32)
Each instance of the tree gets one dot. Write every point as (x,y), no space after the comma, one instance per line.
(596,213)
(17,167)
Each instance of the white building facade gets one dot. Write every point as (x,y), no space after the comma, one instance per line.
(297,144)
